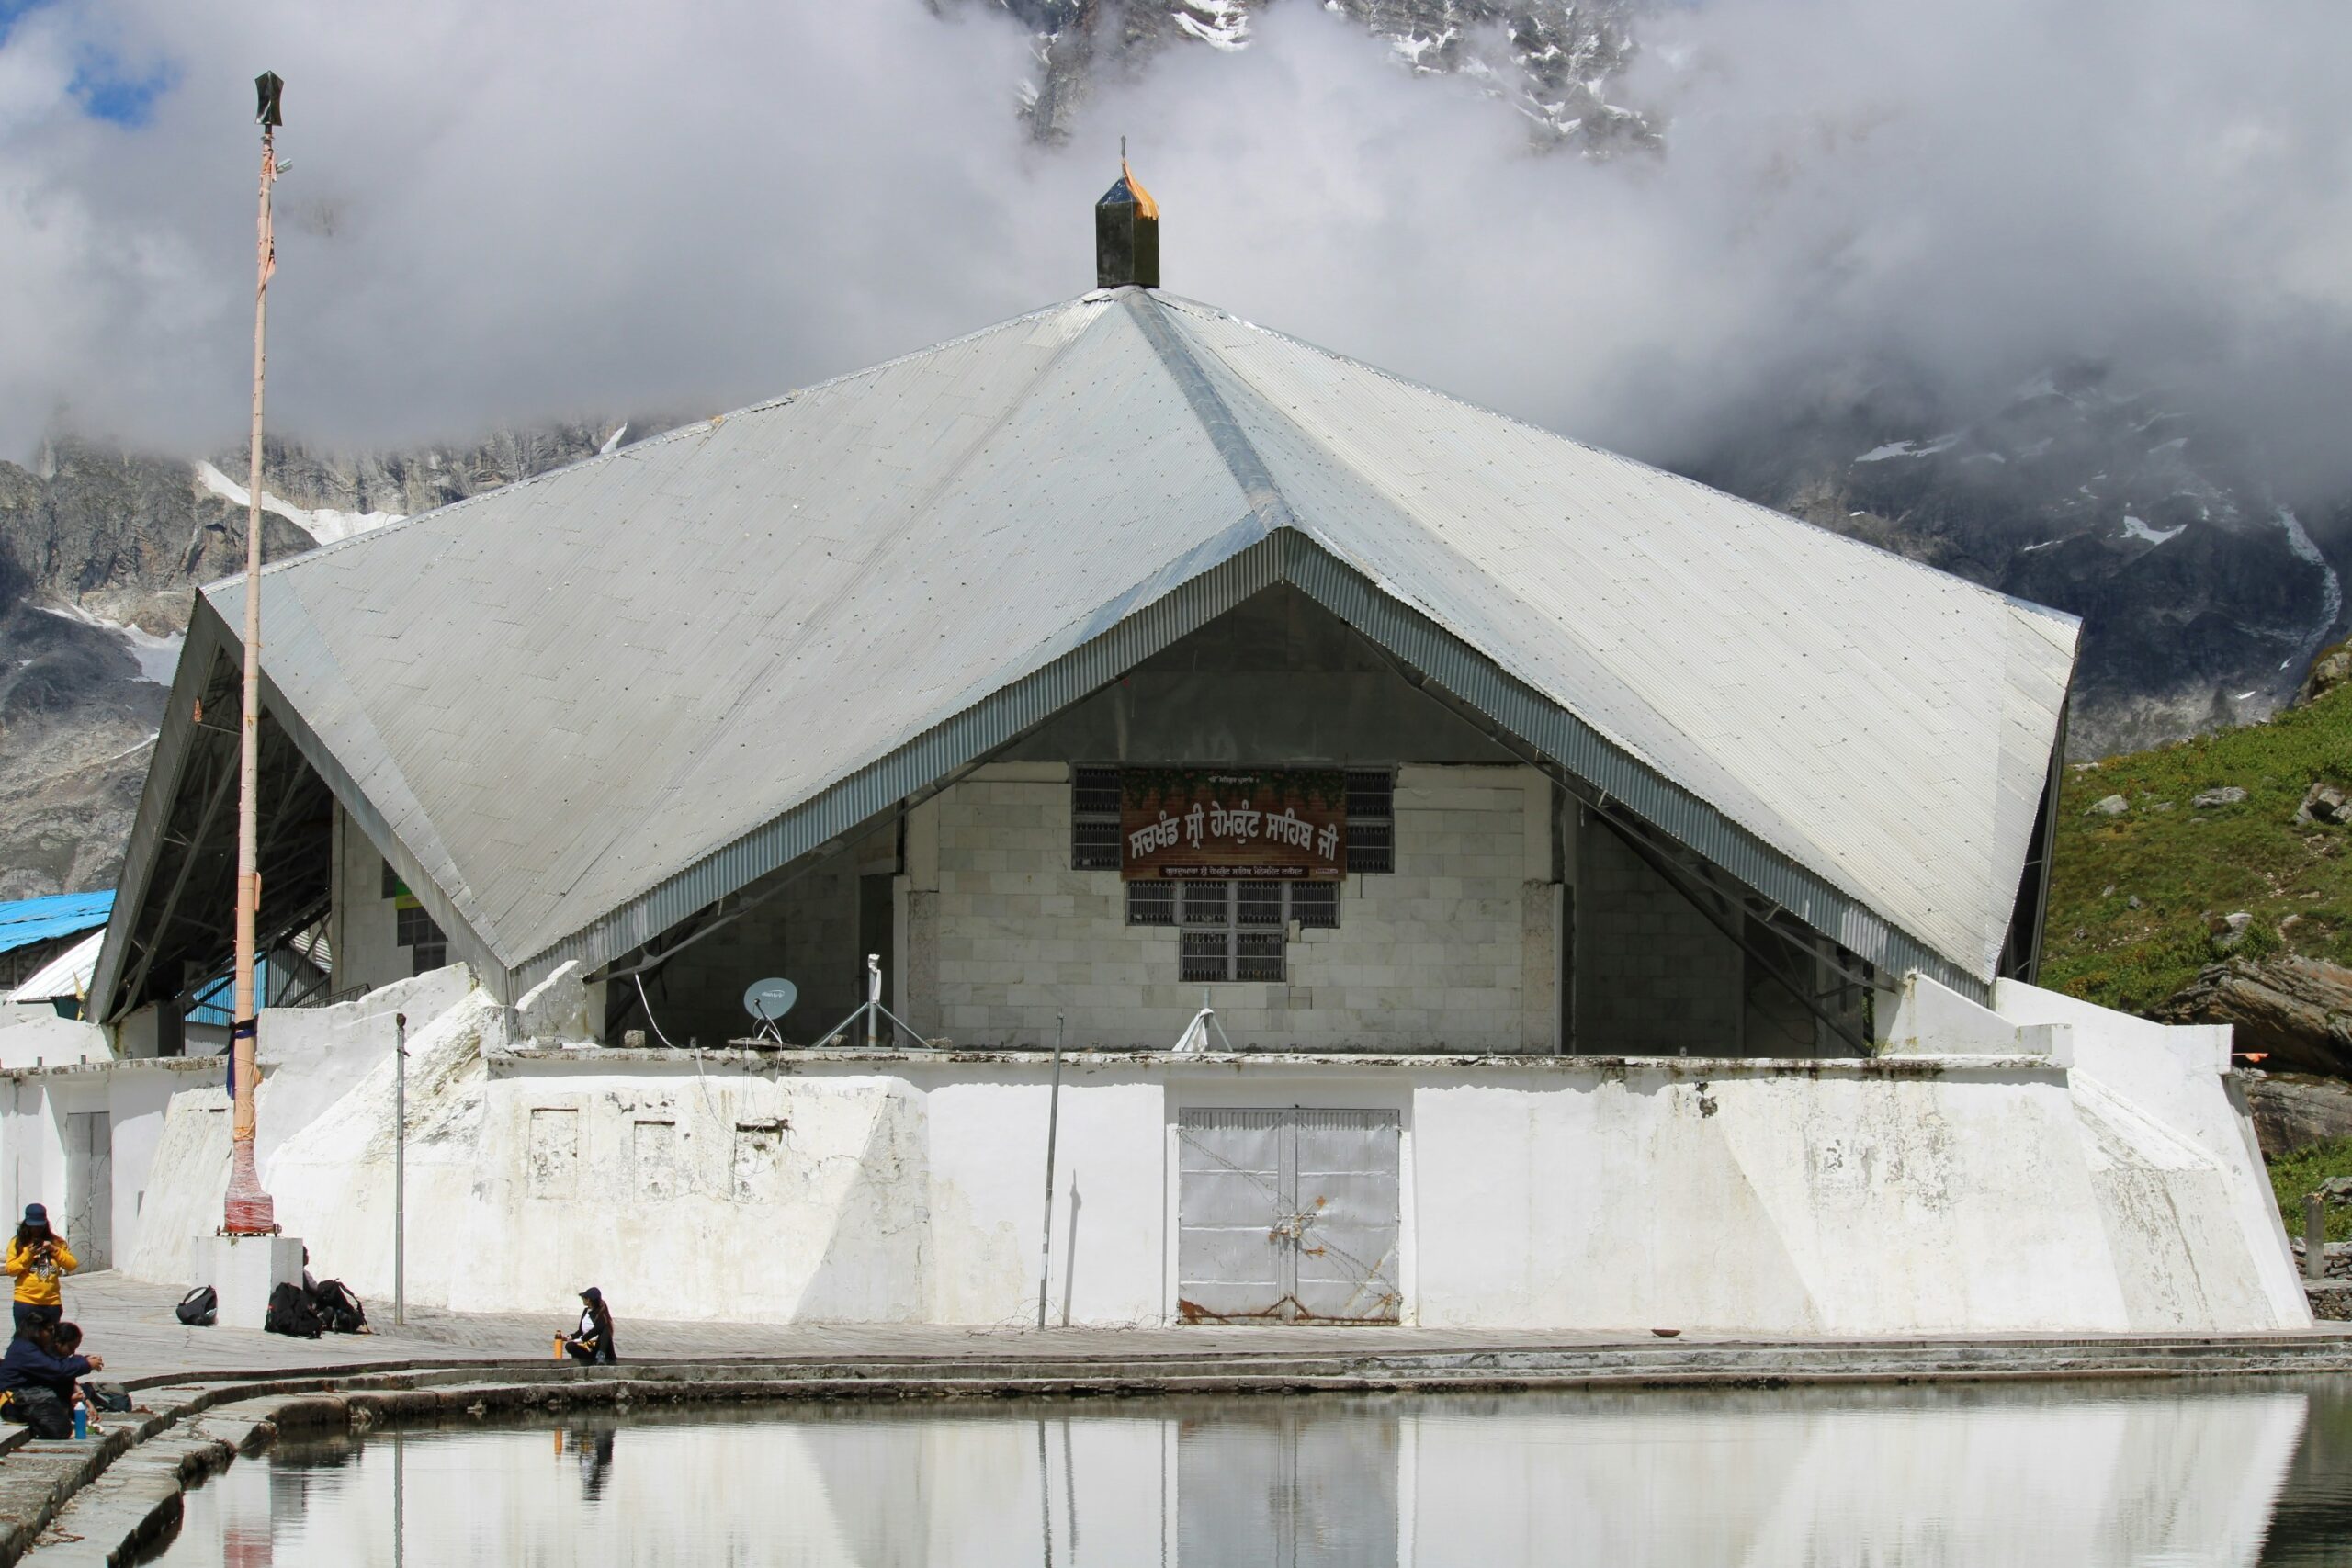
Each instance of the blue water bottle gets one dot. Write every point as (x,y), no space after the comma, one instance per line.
(81,1422)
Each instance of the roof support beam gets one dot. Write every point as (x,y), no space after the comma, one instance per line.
(170,909)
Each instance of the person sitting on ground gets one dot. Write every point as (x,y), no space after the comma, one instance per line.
(37,1382)
(37,1258)
(65,1339)
(593,1340)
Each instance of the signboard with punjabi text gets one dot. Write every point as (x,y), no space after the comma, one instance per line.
(1185,823)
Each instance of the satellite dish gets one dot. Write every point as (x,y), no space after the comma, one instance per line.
(769,1000)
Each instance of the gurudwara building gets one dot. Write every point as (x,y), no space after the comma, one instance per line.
(1477,879)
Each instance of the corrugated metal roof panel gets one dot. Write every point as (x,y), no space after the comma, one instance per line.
(24,921)
(590,703)
(576,686)
(1887,725)
(67,974)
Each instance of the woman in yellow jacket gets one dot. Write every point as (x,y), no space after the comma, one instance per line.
(38,1259)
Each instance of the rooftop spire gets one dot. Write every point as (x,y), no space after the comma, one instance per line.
(1126,232)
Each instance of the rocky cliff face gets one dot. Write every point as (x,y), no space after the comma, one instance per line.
(2205,596)
(100,554)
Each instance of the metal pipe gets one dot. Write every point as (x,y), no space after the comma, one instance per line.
(400,1168)
(1052,1130)
(249,1209)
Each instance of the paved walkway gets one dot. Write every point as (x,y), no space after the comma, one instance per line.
(131,1323)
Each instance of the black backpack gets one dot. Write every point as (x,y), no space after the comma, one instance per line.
(342,1311)
(290,1313)
(199,1307)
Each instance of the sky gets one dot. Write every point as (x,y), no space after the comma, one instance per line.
(502,214)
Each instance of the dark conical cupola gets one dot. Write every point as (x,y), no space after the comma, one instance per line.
(1126,234)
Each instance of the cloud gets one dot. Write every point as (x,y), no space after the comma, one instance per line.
(1963,194)
(508,212)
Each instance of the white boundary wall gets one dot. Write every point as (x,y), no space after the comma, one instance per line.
(2064,1170)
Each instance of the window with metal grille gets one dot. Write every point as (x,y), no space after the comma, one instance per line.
(1151,903)
(428,948)
(1094,818)
(1232,930)
(1372,819)
(415,929)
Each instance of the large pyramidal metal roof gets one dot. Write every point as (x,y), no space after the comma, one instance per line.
(578,708)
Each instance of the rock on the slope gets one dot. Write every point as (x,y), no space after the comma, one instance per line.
(2107,806)
(2295,1012)
(2329,671)
(2228,931)
(2228,795)
(2324,805)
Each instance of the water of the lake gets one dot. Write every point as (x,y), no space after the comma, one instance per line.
(2168,1473)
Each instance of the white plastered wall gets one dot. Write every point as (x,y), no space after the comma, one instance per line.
(137,1096)
(2042,1169)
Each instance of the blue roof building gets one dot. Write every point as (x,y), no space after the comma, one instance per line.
(24,921)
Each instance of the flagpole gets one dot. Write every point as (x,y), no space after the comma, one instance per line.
(250,1210)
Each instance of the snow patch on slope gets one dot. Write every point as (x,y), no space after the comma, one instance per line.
(157,657)
(326,524)
(1910,449)
(2299,540)
(1220,24)
(2137,528)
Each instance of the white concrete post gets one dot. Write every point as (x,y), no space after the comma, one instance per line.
(873,1001)
(400,1168)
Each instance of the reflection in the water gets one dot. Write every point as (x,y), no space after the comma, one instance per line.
(2254,1472)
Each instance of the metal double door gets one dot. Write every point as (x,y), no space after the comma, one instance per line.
(1287,1216)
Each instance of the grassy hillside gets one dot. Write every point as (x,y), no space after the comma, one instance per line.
(2183,863)
(2292,1175)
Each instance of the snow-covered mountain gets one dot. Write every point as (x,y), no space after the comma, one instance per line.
(1557,61)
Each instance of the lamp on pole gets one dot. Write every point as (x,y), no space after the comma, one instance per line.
(250,1210)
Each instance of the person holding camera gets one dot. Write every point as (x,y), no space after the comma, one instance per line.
(37,1259)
